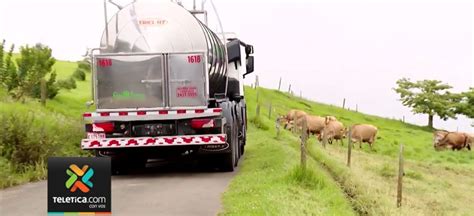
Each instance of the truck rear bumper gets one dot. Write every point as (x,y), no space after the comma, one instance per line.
(131,142)
(146,115)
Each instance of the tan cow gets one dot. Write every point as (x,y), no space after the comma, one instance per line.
(334,130)
(364,133)
(314,124)
(451,140)
(470,141)
(291,116)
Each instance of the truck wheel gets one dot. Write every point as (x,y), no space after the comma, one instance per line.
(242,141)
(229,158)
(236,144)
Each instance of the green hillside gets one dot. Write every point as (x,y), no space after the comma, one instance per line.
(434,182)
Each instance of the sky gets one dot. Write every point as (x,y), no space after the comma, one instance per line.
(328,50)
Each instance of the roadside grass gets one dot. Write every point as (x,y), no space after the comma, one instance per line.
(57,127)
(270,181)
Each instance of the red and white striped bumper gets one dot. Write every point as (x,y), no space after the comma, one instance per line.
(153,141)
(152,115)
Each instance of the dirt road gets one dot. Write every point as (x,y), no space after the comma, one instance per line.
(156,190)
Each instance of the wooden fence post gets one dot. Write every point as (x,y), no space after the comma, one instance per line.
(279,84)
(349,147)
(343,103)
(357,108)
(256,81)
(400,177)
(270,111)
(325,139)
(277,126)
(258,110)
(258,96)
(289,89)
(303,143)
(301,94)
(43,91)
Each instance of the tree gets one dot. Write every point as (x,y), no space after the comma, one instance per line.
(429,97)
(34,64)
(466,105)
(8,70)
(2,68)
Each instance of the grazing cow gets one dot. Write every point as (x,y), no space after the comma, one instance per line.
(470,140)
(334,130)
(363,133)
(291,116)
(452,140)
(314,124)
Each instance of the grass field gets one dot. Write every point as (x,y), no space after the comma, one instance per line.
(60,122)
(434,182)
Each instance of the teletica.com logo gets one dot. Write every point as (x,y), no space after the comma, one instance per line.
(79,178)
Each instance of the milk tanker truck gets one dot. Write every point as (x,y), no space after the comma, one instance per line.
(165,85)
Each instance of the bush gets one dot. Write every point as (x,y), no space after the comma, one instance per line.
(85,65)
(52,88)
(79,74)
(22,142)
(29,138)
(67,84)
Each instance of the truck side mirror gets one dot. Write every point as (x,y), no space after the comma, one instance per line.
(249,65)
(233,51)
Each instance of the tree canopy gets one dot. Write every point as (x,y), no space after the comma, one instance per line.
(466,105)
(429,97)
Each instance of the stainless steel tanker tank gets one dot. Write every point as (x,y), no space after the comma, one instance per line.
(157,54)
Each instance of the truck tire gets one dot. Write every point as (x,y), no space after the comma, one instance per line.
(242,141)
(236,144)
(229,159)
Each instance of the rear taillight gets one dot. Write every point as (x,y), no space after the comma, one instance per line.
(103,127)
(202,123)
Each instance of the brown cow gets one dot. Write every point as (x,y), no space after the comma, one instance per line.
(292,115)
(334,130)
(452,140)
(314,124)
(363,133)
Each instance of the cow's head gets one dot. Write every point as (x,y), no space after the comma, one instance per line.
(329,119)
(283,120)
(438,136)
(289,125)
(344,132)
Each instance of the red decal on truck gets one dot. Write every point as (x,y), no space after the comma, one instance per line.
(104,62)
(194,59)
(189,92)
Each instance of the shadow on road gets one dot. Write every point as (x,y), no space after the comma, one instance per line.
(182,166)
